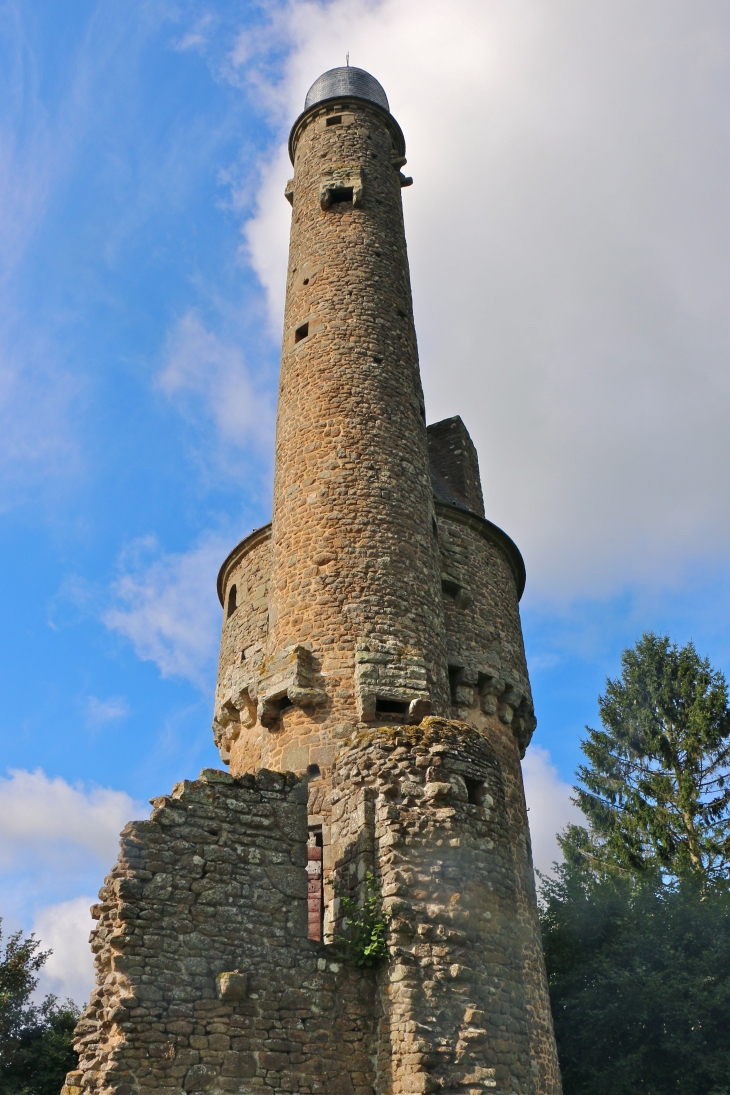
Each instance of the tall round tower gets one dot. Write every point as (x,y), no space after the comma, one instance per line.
(353,627)
(373,703)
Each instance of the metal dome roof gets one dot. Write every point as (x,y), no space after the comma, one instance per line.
(346,81)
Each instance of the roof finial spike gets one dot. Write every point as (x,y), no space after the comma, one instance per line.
(347,58)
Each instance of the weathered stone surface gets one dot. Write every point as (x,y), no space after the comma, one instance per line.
(379,596)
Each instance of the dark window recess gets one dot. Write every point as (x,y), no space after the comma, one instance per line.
(284,703)
(231,601)
(315,890)
(306,281)
(341,194)
(313,771)
(385,706)
(435,527)
(454,678)
(476,791)
(400,314)
(450,589)
(243,655)
(377,360)
(301,332)
(335,119)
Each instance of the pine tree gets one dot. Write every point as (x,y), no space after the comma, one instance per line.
(636,920)
(656,792)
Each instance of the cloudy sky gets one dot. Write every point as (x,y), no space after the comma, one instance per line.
(568,235)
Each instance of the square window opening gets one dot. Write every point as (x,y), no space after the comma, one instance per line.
(385,706)
(335,119)
(301,332)
(341,194)
(450,589)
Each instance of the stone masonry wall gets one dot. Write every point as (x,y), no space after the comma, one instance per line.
(486,654)
(453,458)
(354,556)
(206,980)
(425,808)
(243,642)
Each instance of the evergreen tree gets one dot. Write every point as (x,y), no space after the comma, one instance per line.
(656,791)
(36,1040)
(636,921)
(639,979)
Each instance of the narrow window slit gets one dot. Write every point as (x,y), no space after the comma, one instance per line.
(476,791)
(231,601)
(454,678)
(315,890)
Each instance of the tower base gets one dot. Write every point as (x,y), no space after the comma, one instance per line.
(208,979)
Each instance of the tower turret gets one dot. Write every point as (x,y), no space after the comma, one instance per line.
(355,626)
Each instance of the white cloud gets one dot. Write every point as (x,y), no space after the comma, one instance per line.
(99,711)
(45,820)
(167,607)
(64,928)
(568,232)
(204,373)
(58,841)
(549,805)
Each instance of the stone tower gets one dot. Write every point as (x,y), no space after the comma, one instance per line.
(373,705)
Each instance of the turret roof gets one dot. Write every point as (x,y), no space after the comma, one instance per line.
(346,81)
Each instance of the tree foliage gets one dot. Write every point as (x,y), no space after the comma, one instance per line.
(636,920)
(639,980)
(36,1048)
(656,790)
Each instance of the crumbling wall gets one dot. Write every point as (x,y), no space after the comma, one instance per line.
(205,978)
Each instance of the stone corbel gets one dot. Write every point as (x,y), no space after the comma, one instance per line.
(235,713)
(288,676)
(398,162)
(289,191)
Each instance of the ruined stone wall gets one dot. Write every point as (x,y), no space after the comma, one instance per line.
(206,980)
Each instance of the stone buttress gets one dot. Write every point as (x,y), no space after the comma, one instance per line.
(373,704)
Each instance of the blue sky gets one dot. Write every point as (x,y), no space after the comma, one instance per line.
(568,235)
